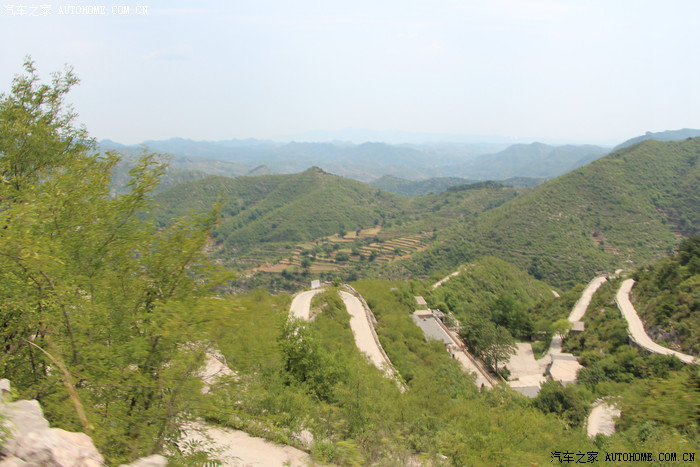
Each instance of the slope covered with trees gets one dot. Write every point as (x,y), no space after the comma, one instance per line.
(405,187)
(280,208)
(491,289)
(626,208)
(667,298)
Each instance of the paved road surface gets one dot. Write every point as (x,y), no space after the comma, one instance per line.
(362,331)
(636,327)
(301,304)
(577,313)
(237,448)
(528,372)
(582,304)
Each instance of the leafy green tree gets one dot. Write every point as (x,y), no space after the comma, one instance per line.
(489,341)
(306,362)
(562,400)
(36,129)
(561,327)
(88,287)
(342,256)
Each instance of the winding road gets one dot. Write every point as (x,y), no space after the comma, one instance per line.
(301,304)
(635,327)
(577,311)
(366,339)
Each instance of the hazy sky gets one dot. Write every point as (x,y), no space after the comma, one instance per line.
(585,71)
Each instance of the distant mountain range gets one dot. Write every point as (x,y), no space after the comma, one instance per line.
(670,135)
(413,169)
(371,161)
(621,210)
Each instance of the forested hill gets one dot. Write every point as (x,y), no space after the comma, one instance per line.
(667,296)
(274,208)
(625,208)
(669,135)
(405,187)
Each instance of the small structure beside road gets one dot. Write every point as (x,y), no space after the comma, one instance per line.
(434,329)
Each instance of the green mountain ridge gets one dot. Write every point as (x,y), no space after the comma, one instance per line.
(280,208)
(669,135)
(412,188)
(624,209)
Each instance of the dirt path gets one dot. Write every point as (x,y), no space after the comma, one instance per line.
(636,327)
(444,279)
(601,419)
(238,448)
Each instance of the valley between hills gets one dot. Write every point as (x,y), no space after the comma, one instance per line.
(122,276)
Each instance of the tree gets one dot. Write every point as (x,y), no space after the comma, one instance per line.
(87,286)
(562,400)
(561,327)
(501,348)
(342,256)
(511,314)
(493,343)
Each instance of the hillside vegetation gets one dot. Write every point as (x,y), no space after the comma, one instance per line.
(491,289)
(658,395)
(667,297)
(669,135)
(315,221)
(279,208)
(624,209)
(405,187)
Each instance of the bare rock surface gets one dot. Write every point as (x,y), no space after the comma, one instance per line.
(31,442)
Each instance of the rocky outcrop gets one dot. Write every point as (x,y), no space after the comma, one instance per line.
(28,441)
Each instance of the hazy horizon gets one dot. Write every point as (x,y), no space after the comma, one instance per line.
(522,71)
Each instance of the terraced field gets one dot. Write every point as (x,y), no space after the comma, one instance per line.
(335,252)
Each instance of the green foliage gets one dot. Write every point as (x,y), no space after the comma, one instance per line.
(103,294)
(658,394)
(490,342)
(588,220)
(566,401)
(491,289)
(273,209)
(36,128)
(306,362)
(667,296)
(672,402)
